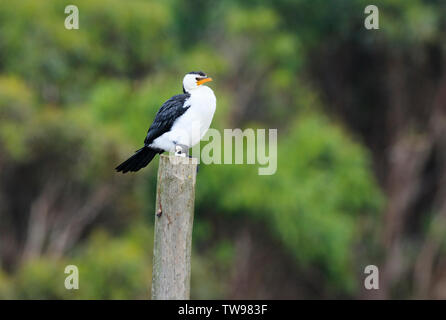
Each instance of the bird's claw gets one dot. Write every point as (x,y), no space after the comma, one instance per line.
(179,152)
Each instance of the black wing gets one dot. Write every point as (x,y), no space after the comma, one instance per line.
(166,116)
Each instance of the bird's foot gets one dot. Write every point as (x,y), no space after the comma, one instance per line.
(179,151)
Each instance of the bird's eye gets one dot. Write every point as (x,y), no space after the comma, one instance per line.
(197,79)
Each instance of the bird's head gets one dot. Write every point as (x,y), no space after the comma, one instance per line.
(194,80)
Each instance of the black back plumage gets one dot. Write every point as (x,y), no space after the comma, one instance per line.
(164,120)
(166,116)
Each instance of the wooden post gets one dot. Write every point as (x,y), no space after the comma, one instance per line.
(174,216)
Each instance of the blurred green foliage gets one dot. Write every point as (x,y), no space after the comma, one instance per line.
(75,103)
(313,202)
(118,263)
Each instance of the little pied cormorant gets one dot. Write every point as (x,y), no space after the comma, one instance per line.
(180,123)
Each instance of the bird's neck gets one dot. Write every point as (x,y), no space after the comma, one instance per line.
(201,90)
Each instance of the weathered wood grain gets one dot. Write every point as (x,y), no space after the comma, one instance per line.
(174,216)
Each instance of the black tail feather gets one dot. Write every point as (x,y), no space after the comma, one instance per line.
(140,159)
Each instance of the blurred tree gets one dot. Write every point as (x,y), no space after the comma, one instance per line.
(55,179)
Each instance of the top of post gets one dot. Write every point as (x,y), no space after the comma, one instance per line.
(175,160)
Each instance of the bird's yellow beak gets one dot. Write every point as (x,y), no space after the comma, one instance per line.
(204,80)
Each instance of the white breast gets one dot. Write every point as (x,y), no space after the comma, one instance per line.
(193,124)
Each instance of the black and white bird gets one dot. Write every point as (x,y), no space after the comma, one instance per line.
(180,123)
